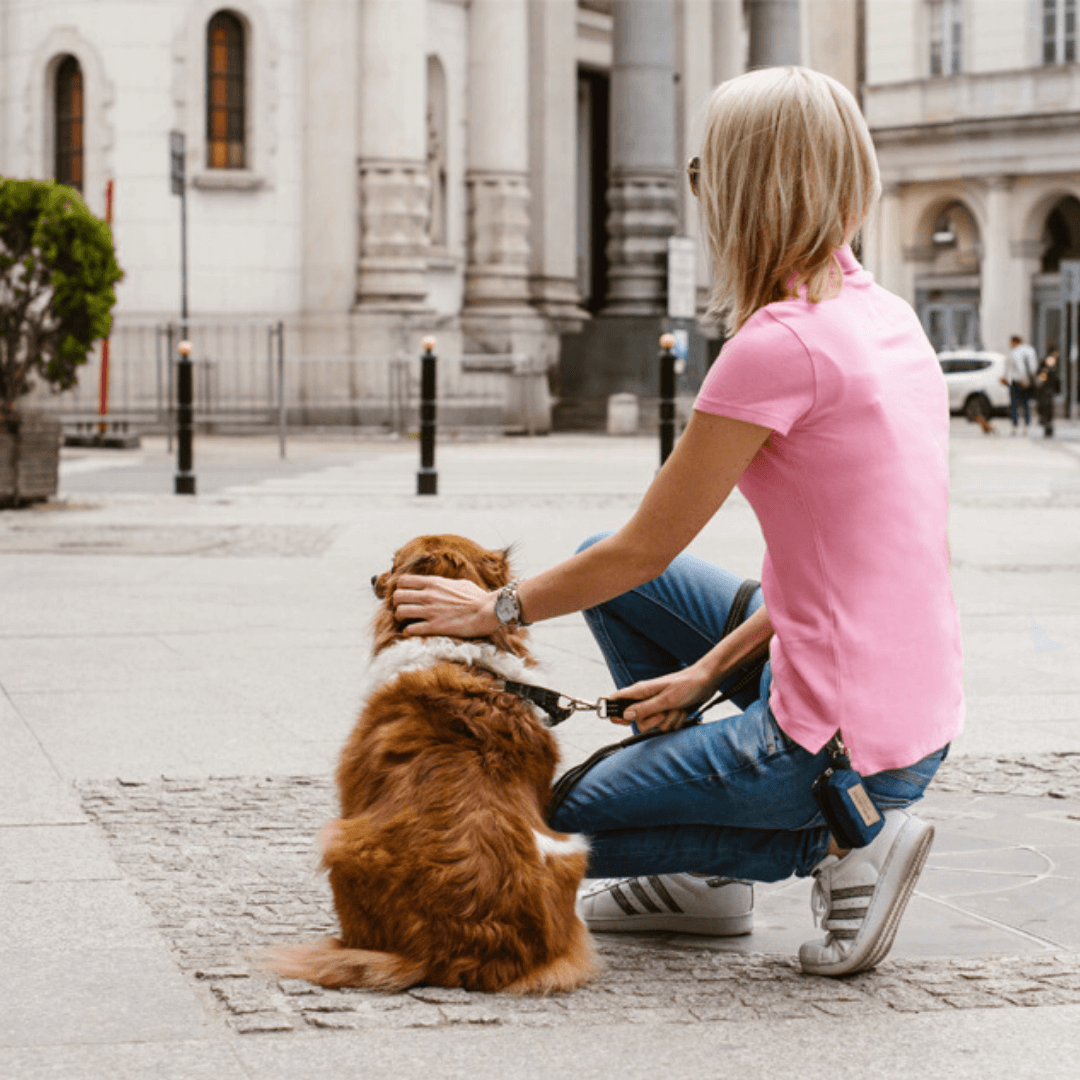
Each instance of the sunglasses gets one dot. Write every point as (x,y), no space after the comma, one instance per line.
(693,174)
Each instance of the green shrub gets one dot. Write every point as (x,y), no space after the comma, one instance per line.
(57,271)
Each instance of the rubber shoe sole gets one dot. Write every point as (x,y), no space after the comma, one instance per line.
(735,926)
(675,903)
(870,952)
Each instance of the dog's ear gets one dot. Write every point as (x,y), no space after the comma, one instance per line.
(380,583)
(426,564)
(494,568)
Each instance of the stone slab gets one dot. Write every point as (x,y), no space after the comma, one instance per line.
(190,727)
(123,1061)
(1000,1045)
(71,993)
(31,789)
(72,915)
(36,853)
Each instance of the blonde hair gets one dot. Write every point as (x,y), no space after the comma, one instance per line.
(788,175)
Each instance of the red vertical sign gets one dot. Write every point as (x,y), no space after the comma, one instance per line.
(103,396)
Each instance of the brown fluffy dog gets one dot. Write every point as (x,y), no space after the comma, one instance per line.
(442,868)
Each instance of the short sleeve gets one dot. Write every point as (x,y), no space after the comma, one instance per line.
(763,375)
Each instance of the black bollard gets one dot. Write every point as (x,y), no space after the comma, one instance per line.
(427,479)
(667,396)
(185,421)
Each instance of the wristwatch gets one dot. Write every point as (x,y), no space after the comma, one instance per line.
(508,606)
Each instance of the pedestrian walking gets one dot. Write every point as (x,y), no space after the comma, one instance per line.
(1047,386)
(828,408)
(1020,367)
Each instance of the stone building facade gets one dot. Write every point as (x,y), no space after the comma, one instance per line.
(501,173)
(975,111)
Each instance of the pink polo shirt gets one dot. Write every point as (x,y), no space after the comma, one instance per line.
(852,493)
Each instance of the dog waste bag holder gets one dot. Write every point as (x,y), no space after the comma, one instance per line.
(427,479)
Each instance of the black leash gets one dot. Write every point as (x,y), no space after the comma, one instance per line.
(744,678)
(560,707)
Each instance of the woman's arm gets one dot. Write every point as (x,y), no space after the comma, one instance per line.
(707,462)
(666,702)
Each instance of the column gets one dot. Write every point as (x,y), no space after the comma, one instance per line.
(997,300)
(393,156)
(497,182)
(553,143)
(641,190)
(775,34)
(331,97)
(890,254)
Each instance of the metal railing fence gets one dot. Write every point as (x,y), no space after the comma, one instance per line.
(247,377)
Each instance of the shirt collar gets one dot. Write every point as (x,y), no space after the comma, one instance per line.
(848,263)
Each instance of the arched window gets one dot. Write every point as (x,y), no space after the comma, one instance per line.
(225,105)
(68,164)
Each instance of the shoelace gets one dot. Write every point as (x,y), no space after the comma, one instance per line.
(604,884)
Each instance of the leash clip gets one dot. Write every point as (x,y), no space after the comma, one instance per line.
(612,708)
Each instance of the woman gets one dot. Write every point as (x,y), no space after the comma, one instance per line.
(1047,387)
(828,408)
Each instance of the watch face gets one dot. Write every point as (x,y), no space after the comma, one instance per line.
(506,608)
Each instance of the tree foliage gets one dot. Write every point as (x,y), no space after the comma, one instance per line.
(57,271)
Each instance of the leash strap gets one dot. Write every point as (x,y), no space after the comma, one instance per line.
(558,706)
(736,615)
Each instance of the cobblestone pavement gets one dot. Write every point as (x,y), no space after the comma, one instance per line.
(227,867)
(1056,776)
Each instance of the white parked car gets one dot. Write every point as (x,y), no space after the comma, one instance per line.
(974,382)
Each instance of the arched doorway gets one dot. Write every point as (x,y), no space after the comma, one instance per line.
(1060,240)
(947,288)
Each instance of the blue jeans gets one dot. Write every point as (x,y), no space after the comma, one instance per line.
(731,797)
(1019,396)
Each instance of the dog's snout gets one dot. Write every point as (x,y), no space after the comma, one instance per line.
(374,580)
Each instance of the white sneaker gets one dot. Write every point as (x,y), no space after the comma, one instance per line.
(684,903)
(863,895)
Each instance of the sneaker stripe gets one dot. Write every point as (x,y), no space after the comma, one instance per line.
(852,892)
(644,898)
(621,899)
(661,890)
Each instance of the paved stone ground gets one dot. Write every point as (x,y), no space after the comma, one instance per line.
(46,533)
(227,867)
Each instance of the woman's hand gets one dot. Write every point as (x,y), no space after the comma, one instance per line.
(667,702)
(437,605)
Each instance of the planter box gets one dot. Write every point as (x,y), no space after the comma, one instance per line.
(29,459)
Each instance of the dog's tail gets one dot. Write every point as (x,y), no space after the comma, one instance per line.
(329,963)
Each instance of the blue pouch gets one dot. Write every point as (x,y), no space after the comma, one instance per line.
(852,817)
